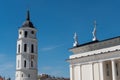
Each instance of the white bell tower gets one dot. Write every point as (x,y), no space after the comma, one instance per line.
(27,53)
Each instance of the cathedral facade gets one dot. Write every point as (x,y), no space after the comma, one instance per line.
(95,60)
(27,53)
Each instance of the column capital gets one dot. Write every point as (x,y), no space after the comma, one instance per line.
(71,65)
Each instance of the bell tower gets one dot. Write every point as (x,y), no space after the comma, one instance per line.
(27,53)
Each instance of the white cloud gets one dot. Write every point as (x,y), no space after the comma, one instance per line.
(51,47)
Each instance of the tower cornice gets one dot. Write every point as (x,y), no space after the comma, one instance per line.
(33,39)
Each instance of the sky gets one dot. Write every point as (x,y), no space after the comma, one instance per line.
(56,22)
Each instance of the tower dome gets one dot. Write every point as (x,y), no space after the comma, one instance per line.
(28,23)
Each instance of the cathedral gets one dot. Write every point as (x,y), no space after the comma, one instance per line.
(95,60)
(27,53)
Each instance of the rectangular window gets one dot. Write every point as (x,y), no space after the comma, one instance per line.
(25,63)
(28,75)
(19,48)
(18,63)
(22,75)
(32,48)
(26,33)
(25,47)
(31,63)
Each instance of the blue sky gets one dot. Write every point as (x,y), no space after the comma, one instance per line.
(56,22)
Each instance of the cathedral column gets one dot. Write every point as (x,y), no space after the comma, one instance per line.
(93,70)
(80,72)
(113,70)
(71,72)
(101,71)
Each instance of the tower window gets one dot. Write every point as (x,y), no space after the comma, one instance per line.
(18,63)
(25,47)
(31,63)
(22,75)
(32,48)
(19,48)
(25,63)
(32,32)
(26,33)
(20,32)
(28,75)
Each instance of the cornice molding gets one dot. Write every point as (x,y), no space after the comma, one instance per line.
(96,57)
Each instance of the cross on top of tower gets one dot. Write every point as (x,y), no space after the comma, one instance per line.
(95,24)
(28,16)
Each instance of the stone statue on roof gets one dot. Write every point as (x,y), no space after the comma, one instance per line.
(75,44)
(94,32)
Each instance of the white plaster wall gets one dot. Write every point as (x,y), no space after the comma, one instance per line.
(29,40)
(20,63)
(29,30)
(18,75)
(33,75)
(26,56)
(19,42)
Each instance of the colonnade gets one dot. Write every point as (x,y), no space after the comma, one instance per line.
(101,70)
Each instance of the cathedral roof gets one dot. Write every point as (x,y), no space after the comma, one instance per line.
(28,23)
(93,42)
